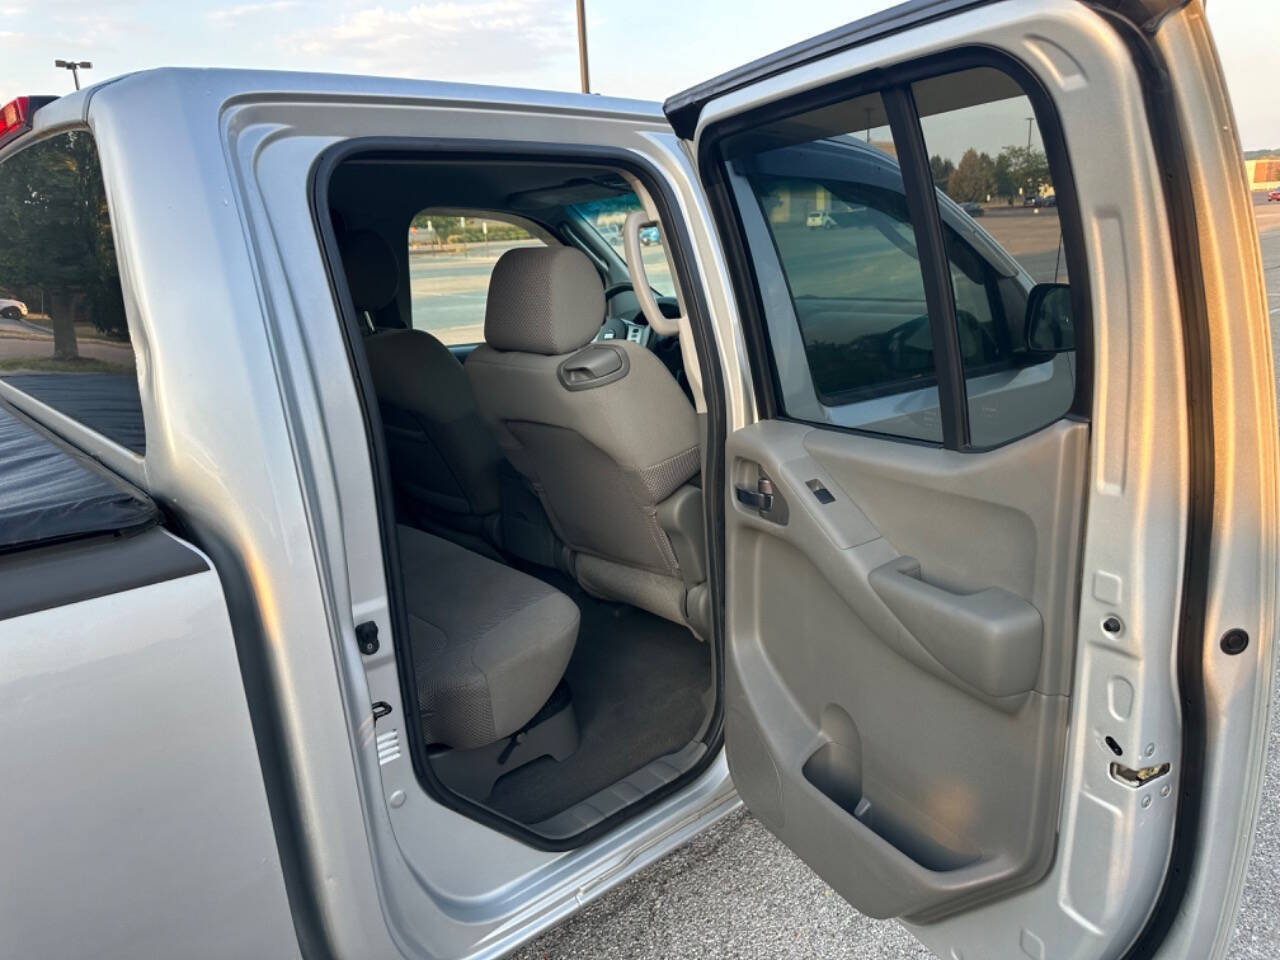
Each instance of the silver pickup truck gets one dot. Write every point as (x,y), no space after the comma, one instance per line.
(423,506)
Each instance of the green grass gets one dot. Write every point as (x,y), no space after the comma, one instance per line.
(50,365)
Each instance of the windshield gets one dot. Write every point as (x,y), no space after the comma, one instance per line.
(607,218)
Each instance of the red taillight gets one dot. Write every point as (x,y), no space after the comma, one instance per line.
(15,116)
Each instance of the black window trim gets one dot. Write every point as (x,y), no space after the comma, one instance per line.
(931,245)
(883,81)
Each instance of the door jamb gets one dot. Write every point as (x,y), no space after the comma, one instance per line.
(432,149)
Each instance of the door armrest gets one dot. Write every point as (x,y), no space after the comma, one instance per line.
(990,639)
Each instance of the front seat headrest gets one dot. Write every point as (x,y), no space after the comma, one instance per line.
(546,300)
(371,269)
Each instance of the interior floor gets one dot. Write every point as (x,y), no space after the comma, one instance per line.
(640,686)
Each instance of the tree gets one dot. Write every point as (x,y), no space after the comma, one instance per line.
(1002,177)
(55,234)
(941,170)
(1028,170)
(974,178)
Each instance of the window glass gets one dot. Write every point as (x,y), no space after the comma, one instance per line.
(63,334)
(823,202)
(999,207)
(824,210)
(451,258)
(607,218)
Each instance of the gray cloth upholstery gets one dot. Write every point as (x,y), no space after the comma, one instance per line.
(489,643)
(545,300)
(442,455)
(601,458)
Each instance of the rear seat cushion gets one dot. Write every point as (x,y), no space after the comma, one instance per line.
(489,643)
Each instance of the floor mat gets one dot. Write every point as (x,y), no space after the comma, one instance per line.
(637,682)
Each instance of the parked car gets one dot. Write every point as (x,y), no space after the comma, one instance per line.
(1051,200)
(1031,201)
(12,309)
(1274,196)
(321,638)
(973,209)
(649,236)
(820,220)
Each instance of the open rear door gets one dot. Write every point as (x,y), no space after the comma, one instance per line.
(990,612)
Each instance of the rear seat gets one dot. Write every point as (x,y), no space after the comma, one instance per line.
(490,643)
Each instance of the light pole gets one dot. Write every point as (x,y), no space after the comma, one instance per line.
(582,46)
(75,66)
(1030,122)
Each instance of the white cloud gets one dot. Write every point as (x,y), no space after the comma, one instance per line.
(232,14)
(482,40)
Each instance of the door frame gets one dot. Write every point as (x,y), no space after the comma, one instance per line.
(1184,234)
(430,149)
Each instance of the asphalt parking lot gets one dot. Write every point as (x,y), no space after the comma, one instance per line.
(735,891)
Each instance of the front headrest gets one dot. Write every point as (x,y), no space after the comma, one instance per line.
(371,269)
(546,300)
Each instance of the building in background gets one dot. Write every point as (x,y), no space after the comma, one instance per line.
(1263,173)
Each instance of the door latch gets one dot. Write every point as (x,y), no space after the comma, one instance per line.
(761,498)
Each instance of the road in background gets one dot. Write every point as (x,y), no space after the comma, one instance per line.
(448,287)
(735,891)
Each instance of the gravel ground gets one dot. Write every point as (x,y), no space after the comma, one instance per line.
(735,891)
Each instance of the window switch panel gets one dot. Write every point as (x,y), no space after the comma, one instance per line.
(823,495)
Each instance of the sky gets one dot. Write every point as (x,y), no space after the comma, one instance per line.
(646,49)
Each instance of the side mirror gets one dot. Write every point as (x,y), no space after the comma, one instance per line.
(1050,328)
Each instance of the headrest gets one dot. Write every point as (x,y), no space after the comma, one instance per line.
(371,268)
(546,300)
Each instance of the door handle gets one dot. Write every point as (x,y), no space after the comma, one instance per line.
(990,639)
(760,498)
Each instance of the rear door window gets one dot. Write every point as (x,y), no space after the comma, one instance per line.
(64,338)
(833,211)
(834,235)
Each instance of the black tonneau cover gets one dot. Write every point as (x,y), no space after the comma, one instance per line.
(50,492)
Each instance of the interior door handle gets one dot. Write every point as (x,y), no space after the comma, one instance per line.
(759,499)
(990,639)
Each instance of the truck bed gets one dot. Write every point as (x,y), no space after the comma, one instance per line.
(51,493)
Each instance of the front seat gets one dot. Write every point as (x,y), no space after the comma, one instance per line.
(444,462)
(601,431)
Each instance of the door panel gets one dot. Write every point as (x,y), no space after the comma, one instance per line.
(1148,860)
(130,761)
(923,811)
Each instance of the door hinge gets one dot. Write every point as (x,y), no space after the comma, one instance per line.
(367,637)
